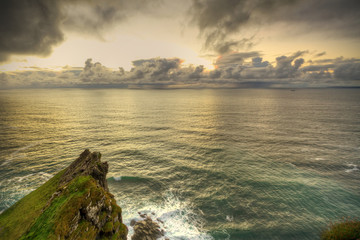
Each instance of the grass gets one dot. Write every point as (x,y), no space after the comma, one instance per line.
(15,221)
(54,220)
(345,229)
(27,220)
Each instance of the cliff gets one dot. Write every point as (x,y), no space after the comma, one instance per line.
(74,204)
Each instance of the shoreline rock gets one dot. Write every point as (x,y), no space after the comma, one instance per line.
(146,229)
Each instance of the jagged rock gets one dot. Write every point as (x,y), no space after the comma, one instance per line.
(87,164)
(74,204)
(147,229)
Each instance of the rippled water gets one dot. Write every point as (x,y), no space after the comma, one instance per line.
(211,164)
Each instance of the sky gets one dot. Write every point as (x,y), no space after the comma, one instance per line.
(179,44)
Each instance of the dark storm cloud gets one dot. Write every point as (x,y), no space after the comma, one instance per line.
(217,20)
(29,27)
(33,27)
(246,69)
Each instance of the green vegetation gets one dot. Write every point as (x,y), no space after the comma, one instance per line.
(54,220)
(346,229)
(74,204)
(26,219)
(15,221)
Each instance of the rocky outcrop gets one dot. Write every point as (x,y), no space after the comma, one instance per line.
(87,164)
(74,204)
(146,229)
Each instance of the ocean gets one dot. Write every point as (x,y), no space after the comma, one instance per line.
(210,164)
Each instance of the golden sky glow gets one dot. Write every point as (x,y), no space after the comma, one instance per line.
(117,33)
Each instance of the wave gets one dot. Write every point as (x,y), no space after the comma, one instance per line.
(13,189)
(18,153)
(178,218)
(127,179)
(353,168)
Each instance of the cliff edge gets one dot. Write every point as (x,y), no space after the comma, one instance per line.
(74,204)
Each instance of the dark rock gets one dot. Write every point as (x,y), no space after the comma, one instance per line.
(147,229)
(87,164)
(159,220)
(132,222)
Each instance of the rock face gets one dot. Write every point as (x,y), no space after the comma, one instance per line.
(88,164)
(146,229)
(74,204)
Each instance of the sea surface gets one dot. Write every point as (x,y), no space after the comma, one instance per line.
(210,164)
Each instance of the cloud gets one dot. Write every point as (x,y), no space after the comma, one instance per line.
(94,17)
(154,69)
(96,73)
(242,69)
(4,79)
(320,54)
(348,71)
(219,20)
(235,58)
(39,79)
(287,67)
(216,19)
(29,27)
(258,62)
(35,27)
(144,71)
(312,68)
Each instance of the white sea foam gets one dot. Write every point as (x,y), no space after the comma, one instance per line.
(353,168)
(117,178)
(31,178)
(12,189)
(176,217)
(229,218)
(45,175)
(20,179)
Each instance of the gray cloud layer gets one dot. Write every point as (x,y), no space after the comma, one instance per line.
(219,19)
(34,27)
(246,69)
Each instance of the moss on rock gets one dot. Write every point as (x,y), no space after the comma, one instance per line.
(74,204)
